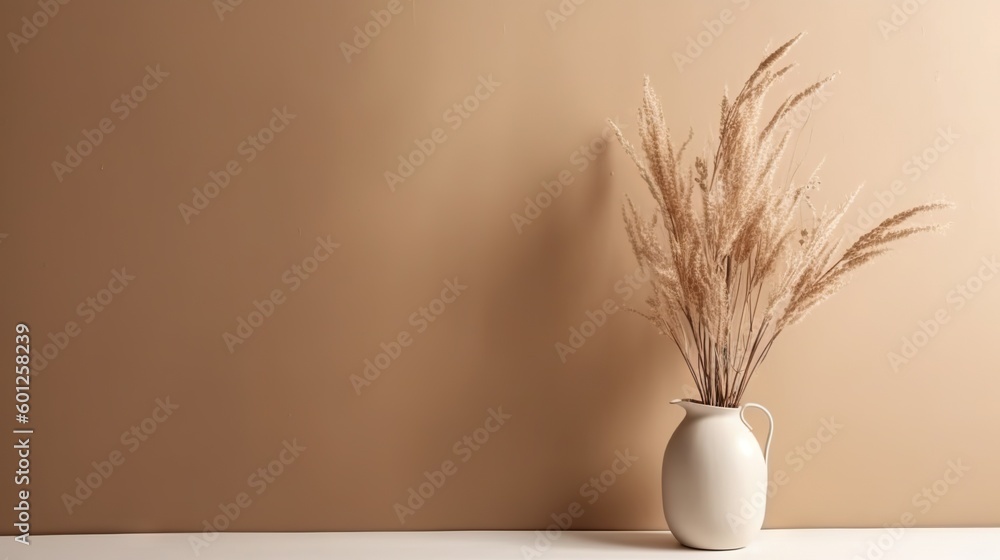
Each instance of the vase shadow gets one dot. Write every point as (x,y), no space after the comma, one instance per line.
(659,540)
(573,405)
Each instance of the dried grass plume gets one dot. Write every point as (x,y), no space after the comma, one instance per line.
(731,264)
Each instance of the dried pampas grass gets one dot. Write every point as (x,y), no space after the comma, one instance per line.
(730,268)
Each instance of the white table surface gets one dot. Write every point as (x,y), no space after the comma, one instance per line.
(797,544)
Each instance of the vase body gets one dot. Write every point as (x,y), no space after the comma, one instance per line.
(714,478)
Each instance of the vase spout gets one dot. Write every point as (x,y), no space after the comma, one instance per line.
(689,405)
(697,409)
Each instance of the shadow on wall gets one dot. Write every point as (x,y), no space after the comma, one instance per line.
(576,394)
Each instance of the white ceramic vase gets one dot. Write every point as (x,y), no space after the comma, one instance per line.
(715,477)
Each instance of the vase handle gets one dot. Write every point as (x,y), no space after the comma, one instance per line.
(770,425)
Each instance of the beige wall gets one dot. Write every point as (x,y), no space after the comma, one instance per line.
(493,346)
